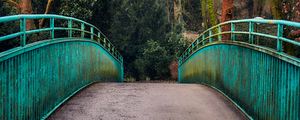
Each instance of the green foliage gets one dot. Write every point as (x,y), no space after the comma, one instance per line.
(77,8)
(141,30)
(7,28)
(192,14)
(138,28)
(212,14)
(157,60)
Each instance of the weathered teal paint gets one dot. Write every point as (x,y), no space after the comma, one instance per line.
(279,37)
(264,82)
(52,28)
(37,78)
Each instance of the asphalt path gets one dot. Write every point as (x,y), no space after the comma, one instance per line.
(147,101)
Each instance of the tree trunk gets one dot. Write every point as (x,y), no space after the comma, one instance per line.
(212,13)
(26,8)
(204,15)
(276,9)
(178,11)
(250,6)
(227,14)
(290,10)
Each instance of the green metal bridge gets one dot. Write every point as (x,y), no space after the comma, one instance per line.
(37,78)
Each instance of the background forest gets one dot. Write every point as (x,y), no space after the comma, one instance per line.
(150,34)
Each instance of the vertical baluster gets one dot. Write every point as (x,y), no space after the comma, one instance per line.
(70,28)
(108,48)
(104,42)
(193,46)
(23,31)
(210,38)
(233,38)
(279,35)
(99,35)
(219,33)
(251,30)
(82,30)
(197,43)
(92,33)
(52,28)
(203,39)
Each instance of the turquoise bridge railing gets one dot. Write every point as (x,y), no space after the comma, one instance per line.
(36,78)
(263,82)
(93,32)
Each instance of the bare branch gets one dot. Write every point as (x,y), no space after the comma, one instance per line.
(48,8)
(13,3)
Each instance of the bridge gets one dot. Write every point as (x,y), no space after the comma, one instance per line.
(238,78)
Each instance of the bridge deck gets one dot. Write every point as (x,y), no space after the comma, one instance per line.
(147,101)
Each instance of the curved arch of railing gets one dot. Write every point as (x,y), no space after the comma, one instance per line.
(36,78)
(263,82)
(204,39)
(94,33)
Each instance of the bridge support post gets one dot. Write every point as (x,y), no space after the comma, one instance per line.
(279,35)
(23,31)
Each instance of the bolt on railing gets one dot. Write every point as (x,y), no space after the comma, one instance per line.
(203,39)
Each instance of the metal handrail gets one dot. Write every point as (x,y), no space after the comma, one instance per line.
(94,33)
(202,39)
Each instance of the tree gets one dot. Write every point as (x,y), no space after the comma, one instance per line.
(178,11)
(227,14)
(209,14)
(212,14)
(204,14)
(25,7)
(139,27)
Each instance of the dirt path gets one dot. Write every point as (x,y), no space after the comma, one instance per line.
(147,101)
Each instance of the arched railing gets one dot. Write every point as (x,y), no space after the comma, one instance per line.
(93,32)
(207,36)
